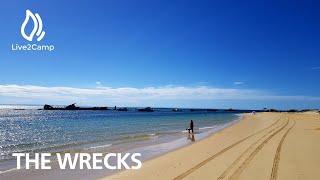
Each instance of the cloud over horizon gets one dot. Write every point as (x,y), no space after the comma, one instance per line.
(133,96)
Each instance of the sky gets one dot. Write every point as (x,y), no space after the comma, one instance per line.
(206,54)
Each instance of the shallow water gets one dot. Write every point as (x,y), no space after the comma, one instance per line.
(32,130)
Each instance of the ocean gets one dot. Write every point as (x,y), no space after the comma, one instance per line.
(31,130)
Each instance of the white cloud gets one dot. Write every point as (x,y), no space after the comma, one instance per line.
(238,83)
(132,95)
(98,82)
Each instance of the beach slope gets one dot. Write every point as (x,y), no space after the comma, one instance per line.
(262,146)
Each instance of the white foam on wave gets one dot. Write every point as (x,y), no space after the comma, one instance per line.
(102,146)
(153,136)
(6,171)
(209,127)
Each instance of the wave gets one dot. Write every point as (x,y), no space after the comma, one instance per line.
(201,128)
(209,127)
(45,147)
(139,136)
(22,145)
(101,146)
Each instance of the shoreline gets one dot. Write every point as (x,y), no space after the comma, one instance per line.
(259,146)
(178,144)
(150,152)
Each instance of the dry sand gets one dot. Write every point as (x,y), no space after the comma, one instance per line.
(262,146)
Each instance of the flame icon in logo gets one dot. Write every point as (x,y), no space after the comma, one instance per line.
(37,28)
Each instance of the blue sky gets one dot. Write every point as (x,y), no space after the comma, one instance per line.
(217,54)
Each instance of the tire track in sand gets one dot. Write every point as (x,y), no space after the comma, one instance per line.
(185,174)
(242,167)
(226,172)
(274,173)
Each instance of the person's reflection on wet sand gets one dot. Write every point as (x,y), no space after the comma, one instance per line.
(191,137)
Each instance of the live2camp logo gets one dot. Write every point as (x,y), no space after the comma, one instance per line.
(36,31)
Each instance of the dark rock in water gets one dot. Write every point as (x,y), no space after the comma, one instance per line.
(122,109)
(230,110)
(47,107)
(147,109)
(73,107)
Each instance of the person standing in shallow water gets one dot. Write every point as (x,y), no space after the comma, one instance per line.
(191,126)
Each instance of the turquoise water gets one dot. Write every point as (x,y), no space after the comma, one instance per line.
(32,130)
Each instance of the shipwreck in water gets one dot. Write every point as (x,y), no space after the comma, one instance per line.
(147,109)
(73,107)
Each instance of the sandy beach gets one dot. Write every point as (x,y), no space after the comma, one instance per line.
(262,146)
